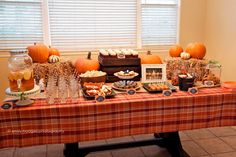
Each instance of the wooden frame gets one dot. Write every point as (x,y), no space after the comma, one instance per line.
(153,73)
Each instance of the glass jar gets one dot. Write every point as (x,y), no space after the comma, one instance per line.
(212,75)
(21,71)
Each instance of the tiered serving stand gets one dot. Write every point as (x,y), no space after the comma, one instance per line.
(22,98)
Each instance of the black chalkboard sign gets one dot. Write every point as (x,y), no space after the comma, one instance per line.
(6,106)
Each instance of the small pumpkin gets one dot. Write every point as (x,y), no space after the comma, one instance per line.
(53,59)
(185,55)
(38,52)
(53,51)
(175,51)
(149,58)
(86,64)
(196,50)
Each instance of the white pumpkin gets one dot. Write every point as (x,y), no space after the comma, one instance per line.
(185,55)
(53,59)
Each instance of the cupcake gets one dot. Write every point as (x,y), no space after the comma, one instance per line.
(127,53)
(112,54)
(134,54)
(123,50)
(103,53)
(117,51)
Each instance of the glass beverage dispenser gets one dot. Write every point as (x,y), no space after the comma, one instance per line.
(21,71)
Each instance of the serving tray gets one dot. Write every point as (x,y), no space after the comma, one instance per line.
(85,95)
(125,89)
(169,85)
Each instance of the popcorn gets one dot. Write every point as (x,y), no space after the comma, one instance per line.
(92,73)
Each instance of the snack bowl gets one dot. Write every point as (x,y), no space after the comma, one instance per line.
(100,78)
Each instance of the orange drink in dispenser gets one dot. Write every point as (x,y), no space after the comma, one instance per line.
(21,72)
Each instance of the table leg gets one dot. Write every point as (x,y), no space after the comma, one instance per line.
(72,150)
(172,143)
(161,143)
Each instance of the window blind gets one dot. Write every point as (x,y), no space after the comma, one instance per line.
(20,23)
(92,24)
(159,22)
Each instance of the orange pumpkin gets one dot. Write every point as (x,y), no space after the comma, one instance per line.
(53,51)
(149,58)
(86,64)
(175,51)
(38,52)
(196,50)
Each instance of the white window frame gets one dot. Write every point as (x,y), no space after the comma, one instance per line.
(46,23)
(139,46)
(139,24)
(164,48)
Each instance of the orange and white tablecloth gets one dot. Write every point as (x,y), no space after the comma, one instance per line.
(122,115)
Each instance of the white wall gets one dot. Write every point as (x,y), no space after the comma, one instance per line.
(3,77)
(221,35)
(192,21)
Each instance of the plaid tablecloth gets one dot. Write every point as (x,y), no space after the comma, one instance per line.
(123,115)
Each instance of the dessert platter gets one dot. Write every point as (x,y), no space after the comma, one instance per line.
(157,87)
(90,90)
(125,85)
(127,74)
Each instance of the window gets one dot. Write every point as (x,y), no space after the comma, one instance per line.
(20,23)
(78,25)
(159,22)
(83,24)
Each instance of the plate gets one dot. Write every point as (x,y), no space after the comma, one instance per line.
(169,85)
(126,77)
(125,89)
(199,85)
(229,84)
(93,97)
